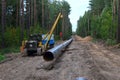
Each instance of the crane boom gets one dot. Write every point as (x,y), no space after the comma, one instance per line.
(52,29)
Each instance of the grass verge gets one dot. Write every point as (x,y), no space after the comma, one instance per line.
(8,51)
(2,57)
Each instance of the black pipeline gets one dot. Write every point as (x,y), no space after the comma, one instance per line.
(56,51)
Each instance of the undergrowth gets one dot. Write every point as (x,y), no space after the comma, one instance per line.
(8,51)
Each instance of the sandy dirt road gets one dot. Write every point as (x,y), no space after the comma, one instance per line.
(82,59)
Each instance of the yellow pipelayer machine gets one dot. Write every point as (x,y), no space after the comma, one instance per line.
(38,44)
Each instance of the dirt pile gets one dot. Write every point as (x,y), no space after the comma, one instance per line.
(85,39)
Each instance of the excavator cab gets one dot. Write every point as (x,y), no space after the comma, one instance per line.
(32,46)
(51,41)
(37,37)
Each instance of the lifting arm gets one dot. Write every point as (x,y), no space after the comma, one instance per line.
(53,28)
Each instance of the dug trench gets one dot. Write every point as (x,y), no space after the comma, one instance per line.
(81,59)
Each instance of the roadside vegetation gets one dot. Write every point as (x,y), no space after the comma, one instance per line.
(100,21)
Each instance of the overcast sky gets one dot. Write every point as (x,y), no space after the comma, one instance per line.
(78,8)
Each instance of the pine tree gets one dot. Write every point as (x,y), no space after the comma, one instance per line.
(3,21)
(118,30)
(22,19)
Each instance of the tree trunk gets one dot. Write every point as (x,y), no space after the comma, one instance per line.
(28,17)
(17,13)
(114,18)
(114,8)
(88,26)
(35,13)
(49,20)
(31,12)
(46,11)
(43,13)
(63,24)
(118,30)
(22,19)
(3,21)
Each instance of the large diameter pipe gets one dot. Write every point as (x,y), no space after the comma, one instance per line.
(56,51)
(81,78)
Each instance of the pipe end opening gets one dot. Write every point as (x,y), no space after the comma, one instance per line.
(48,56)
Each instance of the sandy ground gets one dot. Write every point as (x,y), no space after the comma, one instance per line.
(82,59)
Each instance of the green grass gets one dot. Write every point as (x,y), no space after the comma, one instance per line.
(8,51)
(111,42)
(57,37)
(108,42)
(2,57)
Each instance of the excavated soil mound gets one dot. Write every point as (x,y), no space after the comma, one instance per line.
(85,39)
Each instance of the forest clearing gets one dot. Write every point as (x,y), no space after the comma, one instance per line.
(82,59)
(55,40)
